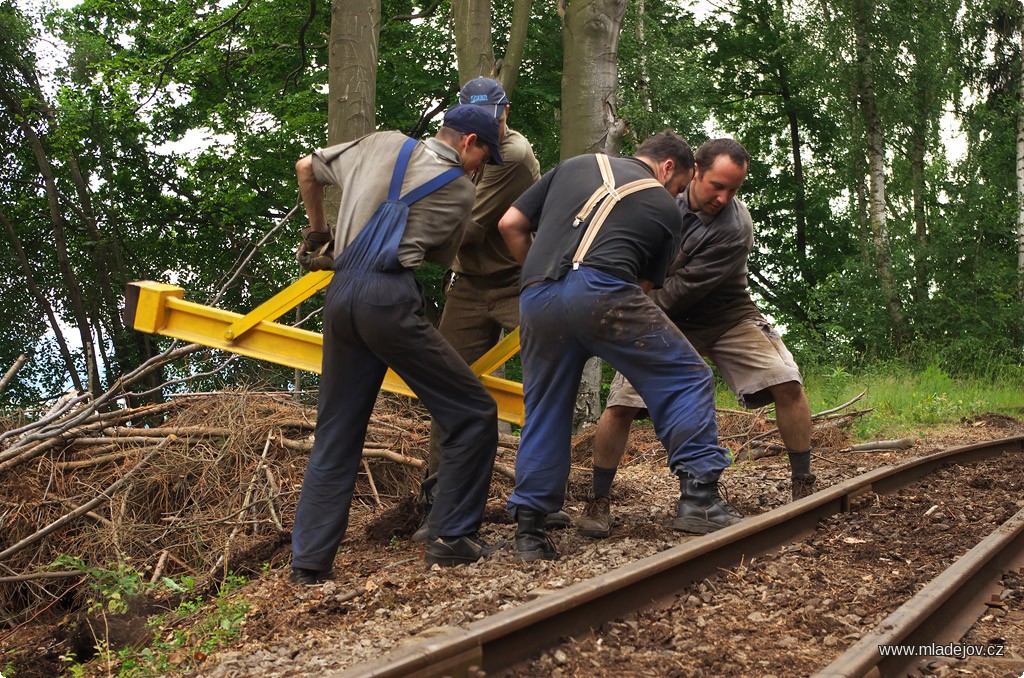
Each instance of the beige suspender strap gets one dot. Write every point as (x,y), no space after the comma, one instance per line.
(607,187)
(613,195)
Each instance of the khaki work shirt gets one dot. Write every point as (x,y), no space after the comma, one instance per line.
(362,170)
(484,252)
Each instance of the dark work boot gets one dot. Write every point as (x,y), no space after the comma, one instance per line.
(701,510)
(803,485)
(463,550)
(532,542)
(426,502)
(307,577)
(559,520)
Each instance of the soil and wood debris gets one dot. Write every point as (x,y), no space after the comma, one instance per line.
(202,490)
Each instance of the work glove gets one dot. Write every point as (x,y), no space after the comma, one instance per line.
(316,251)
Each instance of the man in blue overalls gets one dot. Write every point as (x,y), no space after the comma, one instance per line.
(402,202)
(594,234)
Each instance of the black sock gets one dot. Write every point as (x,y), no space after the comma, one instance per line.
(800,462)
(603,478)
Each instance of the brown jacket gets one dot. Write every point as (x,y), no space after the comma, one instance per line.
(706,284)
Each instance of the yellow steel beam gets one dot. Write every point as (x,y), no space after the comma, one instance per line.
(158,308)
(498,355)
(279,304)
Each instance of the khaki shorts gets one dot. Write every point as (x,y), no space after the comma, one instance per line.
(750,357)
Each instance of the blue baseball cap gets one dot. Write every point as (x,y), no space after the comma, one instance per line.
(484,92)
(470,119)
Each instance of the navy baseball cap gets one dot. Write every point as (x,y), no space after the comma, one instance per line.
(484,92)
(470,119)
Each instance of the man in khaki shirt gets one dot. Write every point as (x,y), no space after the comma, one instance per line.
(402,202)
(482,290)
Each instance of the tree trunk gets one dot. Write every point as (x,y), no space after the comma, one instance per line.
(859,171)
(1020,186)
(473,47)
(57,220)
(590,37)
(800,204)
(351,79)
(917,189)
(875,134)
(644,86)
(508,71)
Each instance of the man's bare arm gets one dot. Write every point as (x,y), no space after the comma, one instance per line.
(517,232)
(312,193)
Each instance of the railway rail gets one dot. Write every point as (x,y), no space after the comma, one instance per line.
(939,613)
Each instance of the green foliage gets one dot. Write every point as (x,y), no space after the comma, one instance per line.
(906,398)
(179,640)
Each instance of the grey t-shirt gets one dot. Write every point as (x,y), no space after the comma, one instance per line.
(636,242)
(362,170)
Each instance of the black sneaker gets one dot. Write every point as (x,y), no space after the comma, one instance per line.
(559,520)
(301,575)
(468,548)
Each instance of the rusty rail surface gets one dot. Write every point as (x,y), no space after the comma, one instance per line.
(504,639)
(942,611)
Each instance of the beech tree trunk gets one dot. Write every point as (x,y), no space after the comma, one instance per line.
(473,47)
(351,79)
(590,37)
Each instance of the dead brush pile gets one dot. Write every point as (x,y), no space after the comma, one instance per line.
(207,484)
(198,486)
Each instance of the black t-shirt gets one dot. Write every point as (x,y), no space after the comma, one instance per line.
(637,241)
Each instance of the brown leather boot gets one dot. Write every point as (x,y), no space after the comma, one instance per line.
(596,521)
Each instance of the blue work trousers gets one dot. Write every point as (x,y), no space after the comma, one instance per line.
(588,313)
(372,321)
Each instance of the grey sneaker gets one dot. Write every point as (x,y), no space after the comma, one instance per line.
(596,521)
(804,485)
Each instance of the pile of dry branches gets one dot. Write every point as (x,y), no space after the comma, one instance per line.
(194,486)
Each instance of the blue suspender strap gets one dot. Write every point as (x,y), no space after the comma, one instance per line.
(398,175)
(429,187)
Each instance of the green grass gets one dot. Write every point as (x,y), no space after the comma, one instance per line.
(906,401)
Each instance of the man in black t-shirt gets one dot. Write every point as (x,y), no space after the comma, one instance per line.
(594,235)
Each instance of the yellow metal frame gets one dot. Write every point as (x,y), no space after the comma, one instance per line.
(158,308)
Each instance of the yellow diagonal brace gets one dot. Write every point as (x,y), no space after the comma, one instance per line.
(498,355)
(158,308)
(279,304)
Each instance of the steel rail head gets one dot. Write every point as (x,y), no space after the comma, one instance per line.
(939,613)
(501,640)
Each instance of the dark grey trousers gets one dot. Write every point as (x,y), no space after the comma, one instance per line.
(373,321)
